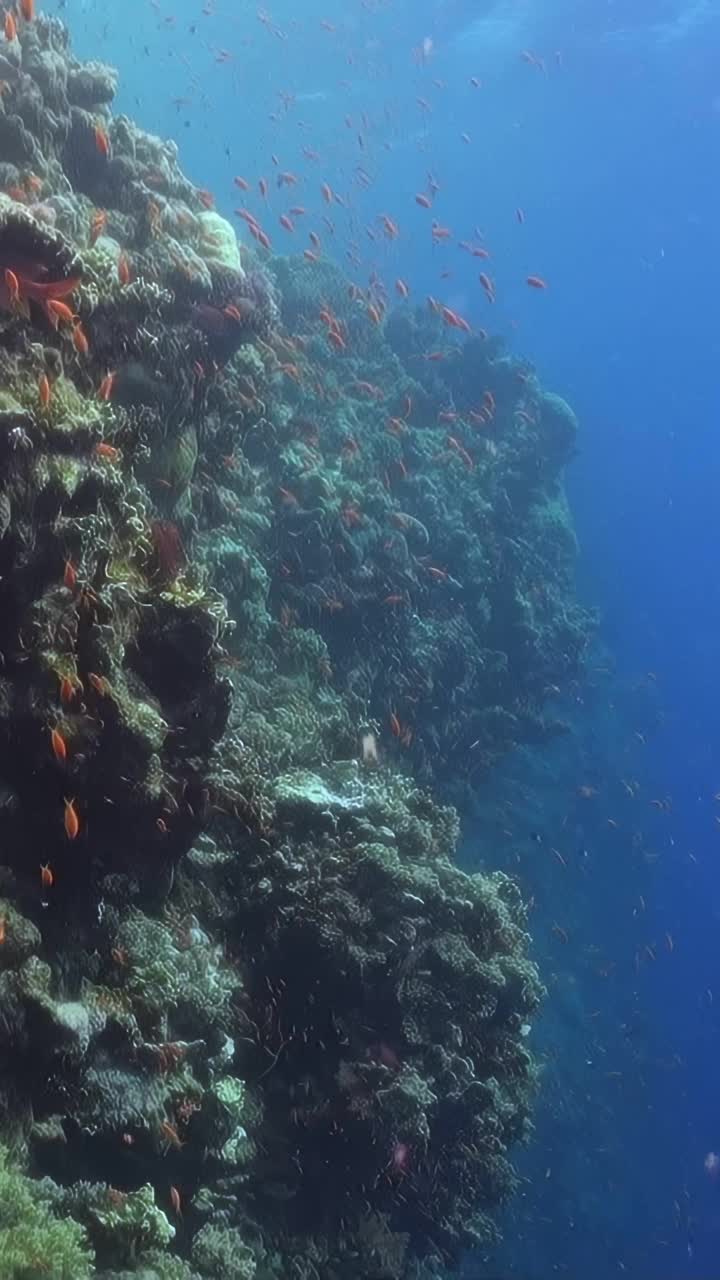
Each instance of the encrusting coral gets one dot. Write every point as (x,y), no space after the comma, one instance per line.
(255,1021)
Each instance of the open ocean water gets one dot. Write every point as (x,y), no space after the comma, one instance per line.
(568,151)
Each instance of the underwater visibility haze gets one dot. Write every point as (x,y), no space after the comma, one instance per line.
(359,793)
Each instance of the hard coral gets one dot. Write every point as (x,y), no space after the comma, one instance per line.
(416,1079)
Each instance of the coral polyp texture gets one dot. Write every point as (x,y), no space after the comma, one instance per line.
(269,575)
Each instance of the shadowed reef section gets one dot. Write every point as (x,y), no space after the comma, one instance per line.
(280,573)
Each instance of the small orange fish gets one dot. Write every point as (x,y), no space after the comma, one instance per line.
(286,222)
(57,311)
(44,390)
(402,288)
(107,451)
(2,930)
(79,338)
(12,285)
(47,878)
(242,184)
(536,282)
(423,200)
(102,141)
(123,269)
(70,576)
(97,225)
(67,690)
(59,746)
(170,1133)
(10,27)
(395,726)
(72,821)
(99,684)
(106,387)
(27,9)
(326,192)
(175,1201)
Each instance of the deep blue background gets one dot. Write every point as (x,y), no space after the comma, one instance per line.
(612,153)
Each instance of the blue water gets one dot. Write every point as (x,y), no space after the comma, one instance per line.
(608,142)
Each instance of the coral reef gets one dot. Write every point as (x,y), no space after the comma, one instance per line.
(253,600)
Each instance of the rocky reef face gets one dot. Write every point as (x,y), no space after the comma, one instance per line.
(270,562)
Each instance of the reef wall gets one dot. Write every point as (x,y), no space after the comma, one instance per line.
(272,561)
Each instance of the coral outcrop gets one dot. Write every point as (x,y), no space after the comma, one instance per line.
(268,568)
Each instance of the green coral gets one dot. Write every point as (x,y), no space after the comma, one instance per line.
(33,1242)
(127,1222)
(175,982)
(221,1253)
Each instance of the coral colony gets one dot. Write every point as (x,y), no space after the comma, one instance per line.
(255,1022)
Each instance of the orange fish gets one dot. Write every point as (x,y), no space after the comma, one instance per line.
(242,184)
(326,192)
(59,745)
(395,726)
(286,222)
(27,9)
(72,821)
(44,390)
(402,288)
(536,282)
(97,225)
(13,286)
(10,27)
(105,389)
(107,451)
(263,187)
(79,338)
(99,684)
(57,311)
(170,1133)
(102,141)
(2,930)
(175,1201)
(123,269)
(67,690)
(47,878)
(70,576)
(424,201)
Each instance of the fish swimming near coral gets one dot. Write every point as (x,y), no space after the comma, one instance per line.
(19,286)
